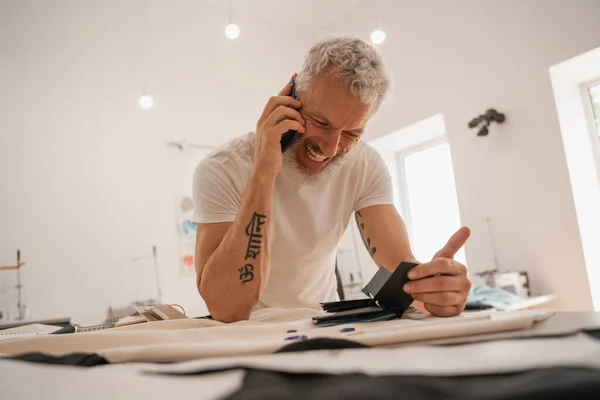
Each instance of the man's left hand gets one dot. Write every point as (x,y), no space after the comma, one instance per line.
(442,284)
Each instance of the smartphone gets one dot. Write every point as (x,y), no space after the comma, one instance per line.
(288,138)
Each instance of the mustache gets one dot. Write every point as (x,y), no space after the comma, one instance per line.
(315,147)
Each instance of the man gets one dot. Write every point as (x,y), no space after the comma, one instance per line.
(269,224)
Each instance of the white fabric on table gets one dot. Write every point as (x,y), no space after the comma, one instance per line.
(502,356)
(29,381)
(22,380)
(178,340)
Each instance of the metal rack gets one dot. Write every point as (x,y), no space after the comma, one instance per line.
(154,258)
(18,286)
(114,313)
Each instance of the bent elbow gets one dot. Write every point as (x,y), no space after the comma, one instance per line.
(229,317)
(223,312)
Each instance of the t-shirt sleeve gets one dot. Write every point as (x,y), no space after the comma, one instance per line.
(377,183)
(216,197)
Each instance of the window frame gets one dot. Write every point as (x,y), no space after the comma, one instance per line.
(594,130)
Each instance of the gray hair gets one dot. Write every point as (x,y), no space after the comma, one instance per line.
(354,60)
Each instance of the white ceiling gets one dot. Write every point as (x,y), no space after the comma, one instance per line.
(293,14)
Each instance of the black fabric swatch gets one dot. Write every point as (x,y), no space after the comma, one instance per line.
(78,359)
(594,333)
(545,384)
(321,344)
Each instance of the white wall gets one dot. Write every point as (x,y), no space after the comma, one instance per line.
(462,57)
(87,180)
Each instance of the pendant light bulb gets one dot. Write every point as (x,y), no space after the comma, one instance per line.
(232,31)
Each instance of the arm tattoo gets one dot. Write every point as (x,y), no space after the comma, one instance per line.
(361,227)
(246,274)
(254,233)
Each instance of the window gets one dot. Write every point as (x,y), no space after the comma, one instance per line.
(591,99)
(420,165)
(594,95)
(570,80)
(430,205)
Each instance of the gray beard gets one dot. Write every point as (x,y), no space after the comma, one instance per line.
(308,176)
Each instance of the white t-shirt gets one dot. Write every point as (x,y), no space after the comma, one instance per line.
(307,222)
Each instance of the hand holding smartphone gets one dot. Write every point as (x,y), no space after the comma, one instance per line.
(290,137)
(276,130)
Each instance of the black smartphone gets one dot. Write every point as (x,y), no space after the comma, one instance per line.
(288,138)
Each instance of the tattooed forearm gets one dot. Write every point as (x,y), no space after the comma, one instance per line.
(367,241)
(246,274)
(253,231)
(255,236)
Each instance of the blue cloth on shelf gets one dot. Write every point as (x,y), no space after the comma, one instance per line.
(484,295)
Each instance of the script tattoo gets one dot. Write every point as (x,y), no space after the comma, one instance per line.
(255,236)
(253,231)
(246,274)
(361,228)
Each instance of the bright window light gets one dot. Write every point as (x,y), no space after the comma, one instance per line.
(432,200)
(594,92)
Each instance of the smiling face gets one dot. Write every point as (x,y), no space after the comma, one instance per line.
(335,120)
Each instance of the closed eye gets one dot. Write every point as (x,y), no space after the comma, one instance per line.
(320,123)
(352,136)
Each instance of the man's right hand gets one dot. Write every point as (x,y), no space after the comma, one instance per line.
(279,116)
